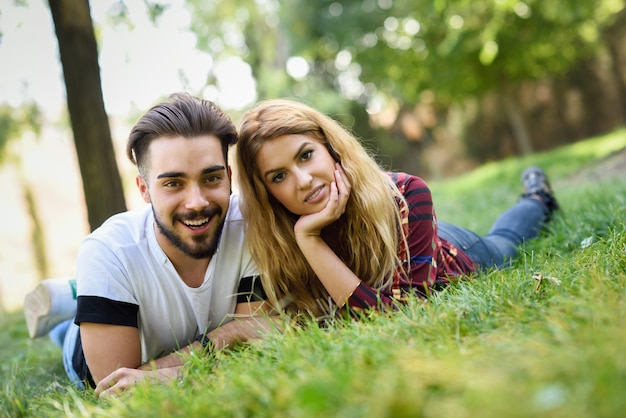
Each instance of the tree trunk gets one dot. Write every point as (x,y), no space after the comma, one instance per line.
(102,184)
(518,126)
(615,38)
(37,236)
(600,93)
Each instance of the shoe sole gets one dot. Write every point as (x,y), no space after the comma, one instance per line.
(36,310)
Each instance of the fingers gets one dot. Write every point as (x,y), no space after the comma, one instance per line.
(117,382)
(339,194)
(312,224)
(343,187)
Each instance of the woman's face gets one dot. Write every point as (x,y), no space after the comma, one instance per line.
(297,170)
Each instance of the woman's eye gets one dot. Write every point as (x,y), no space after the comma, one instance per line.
(278,178)
(306,155)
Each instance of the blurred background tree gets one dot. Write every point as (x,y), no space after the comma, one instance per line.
(17,128)
(491,78)
(78,50)
(434,88)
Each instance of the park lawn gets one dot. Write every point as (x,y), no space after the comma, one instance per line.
(545,337)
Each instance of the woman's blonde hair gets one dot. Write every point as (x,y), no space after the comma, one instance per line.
(368,234)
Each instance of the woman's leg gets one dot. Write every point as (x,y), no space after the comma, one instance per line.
(516,225)
(484,252)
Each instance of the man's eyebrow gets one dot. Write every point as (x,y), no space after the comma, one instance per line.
(298,151)
(213,169)
(182,174)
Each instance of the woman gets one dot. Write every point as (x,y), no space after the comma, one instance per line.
(330,229)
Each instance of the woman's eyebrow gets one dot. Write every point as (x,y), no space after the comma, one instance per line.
(295,157)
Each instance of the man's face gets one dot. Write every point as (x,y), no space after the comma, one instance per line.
(188,186)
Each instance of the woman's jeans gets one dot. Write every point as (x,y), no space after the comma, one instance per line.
(516,225)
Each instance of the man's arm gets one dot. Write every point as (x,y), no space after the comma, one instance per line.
(109,347)
(252,322)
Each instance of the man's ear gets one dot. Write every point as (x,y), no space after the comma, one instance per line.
(142,185)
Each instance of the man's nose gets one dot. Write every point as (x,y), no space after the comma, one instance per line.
(196,199)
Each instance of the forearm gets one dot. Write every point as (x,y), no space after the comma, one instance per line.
(365,297)
(242,330)
(339,281)
(175,359)
(228,335)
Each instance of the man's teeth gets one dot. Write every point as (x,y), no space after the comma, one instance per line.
(197,222)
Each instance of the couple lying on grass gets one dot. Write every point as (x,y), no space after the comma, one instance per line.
(319,229)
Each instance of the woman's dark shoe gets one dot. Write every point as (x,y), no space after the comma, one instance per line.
(537,186)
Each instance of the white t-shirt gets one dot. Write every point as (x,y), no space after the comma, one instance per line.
(125,278)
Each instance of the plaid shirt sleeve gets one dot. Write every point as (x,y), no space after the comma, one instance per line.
(421,237)
(433,262)
(420,227)
(365,297)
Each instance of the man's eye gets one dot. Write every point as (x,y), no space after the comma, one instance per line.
(212,179)
(171,184)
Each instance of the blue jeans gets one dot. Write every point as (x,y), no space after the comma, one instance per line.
(516,225)
(65,336)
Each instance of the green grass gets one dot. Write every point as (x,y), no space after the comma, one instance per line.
(502,345)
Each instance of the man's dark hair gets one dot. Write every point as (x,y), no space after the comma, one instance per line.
(183,115)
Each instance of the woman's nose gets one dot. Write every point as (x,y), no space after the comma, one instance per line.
(304,179)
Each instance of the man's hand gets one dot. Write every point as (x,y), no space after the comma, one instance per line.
(125,378)
(241,329)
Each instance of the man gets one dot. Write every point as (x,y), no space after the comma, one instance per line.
(175,274)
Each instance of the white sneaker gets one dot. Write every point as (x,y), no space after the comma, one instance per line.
(50,303)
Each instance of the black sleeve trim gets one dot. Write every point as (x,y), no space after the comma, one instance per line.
(251,290)
(101,310)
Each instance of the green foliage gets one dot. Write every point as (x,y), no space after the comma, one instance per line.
(13,121)
(454,47)
(458,48)
(30,371)
(384,54)
(542,338)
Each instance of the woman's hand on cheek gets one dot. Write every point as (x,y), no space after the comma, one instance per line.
(343,188)
(312,225)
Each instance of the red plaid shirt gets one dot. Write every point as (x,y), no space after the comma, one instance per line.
(433,261)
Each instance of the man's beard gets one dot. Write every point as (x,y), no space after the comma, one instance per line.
(204,249)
